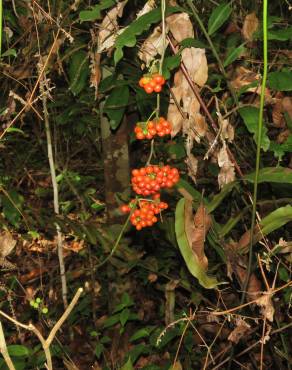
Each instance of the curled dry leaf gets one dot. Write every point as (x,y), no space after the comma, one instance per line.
(180,26)
(109,25)
(283,136)
(7,243)
(266,304)
(174,116)
(227,130)
(250,25)
(287,105)
(192,164)
(197,228)
(277,113)
(242,328)
(150,4)
(254,288)
(152,46)
(95,73)
(227,172)
(244,77)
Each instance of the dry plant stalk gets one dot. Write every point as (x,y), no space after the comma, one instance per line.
(43,85)
(44,342)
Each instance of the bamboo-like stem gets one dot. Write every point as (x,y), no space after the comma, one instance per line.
(55,193)
(259,141)
(4,351)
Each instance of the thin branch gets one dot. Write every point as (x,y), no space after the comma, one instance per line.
(4,351)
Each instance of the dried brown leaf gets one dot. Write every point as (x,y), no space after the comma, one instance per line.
(250,25)
(266,304)
(244,77)
(197,228)
(196,63)
(95,75)
(180,26)
(152,46)
(174,116)
(7,243)
(254,289)
(277,113)
(227,172)
(109,25)
(283,136)
(287,106)
(192,164)
(227,130)
(242,328)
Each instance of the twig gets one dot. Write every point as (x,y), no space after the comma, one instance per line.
(4,351)
(47,342)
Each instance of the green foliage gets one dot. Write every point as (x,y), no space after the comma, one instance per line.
(95,13)
(234,54)
(128,38)
(78,71)
(280,81)
(116,104)
(189,256)
(250,118)
(218,17)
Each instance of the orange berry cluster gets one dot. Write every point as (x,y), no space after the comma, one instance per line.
(152,83)
(149,180)
(147,130)
(145,214)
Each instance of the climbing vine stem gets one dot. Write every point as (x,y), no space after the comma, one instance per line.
(259,142)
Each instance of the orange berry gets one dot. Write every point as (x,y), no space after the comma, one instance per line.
(148,89)
(157,88)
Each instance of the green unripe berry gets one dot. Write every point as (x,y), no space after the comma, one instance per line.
(45,310)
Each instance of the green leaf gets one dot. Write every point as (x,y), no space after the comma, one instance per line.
(111,321)
(143,23)
(189,256)
(124,316)
(280,149)
(78,71)
(116,104)
(91,15)
(177,151)
(128,365)
(280,81)
(276,219)
(280,35)
(234,54)
(250,116)
(141,333)
(218,17)
(10,53)
(272,174)
(15,129)
(16,350)
(169,64)
(12,206)
(98,350)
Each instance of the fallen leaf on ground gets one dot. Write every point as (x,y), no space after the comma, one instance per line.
(241,329)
